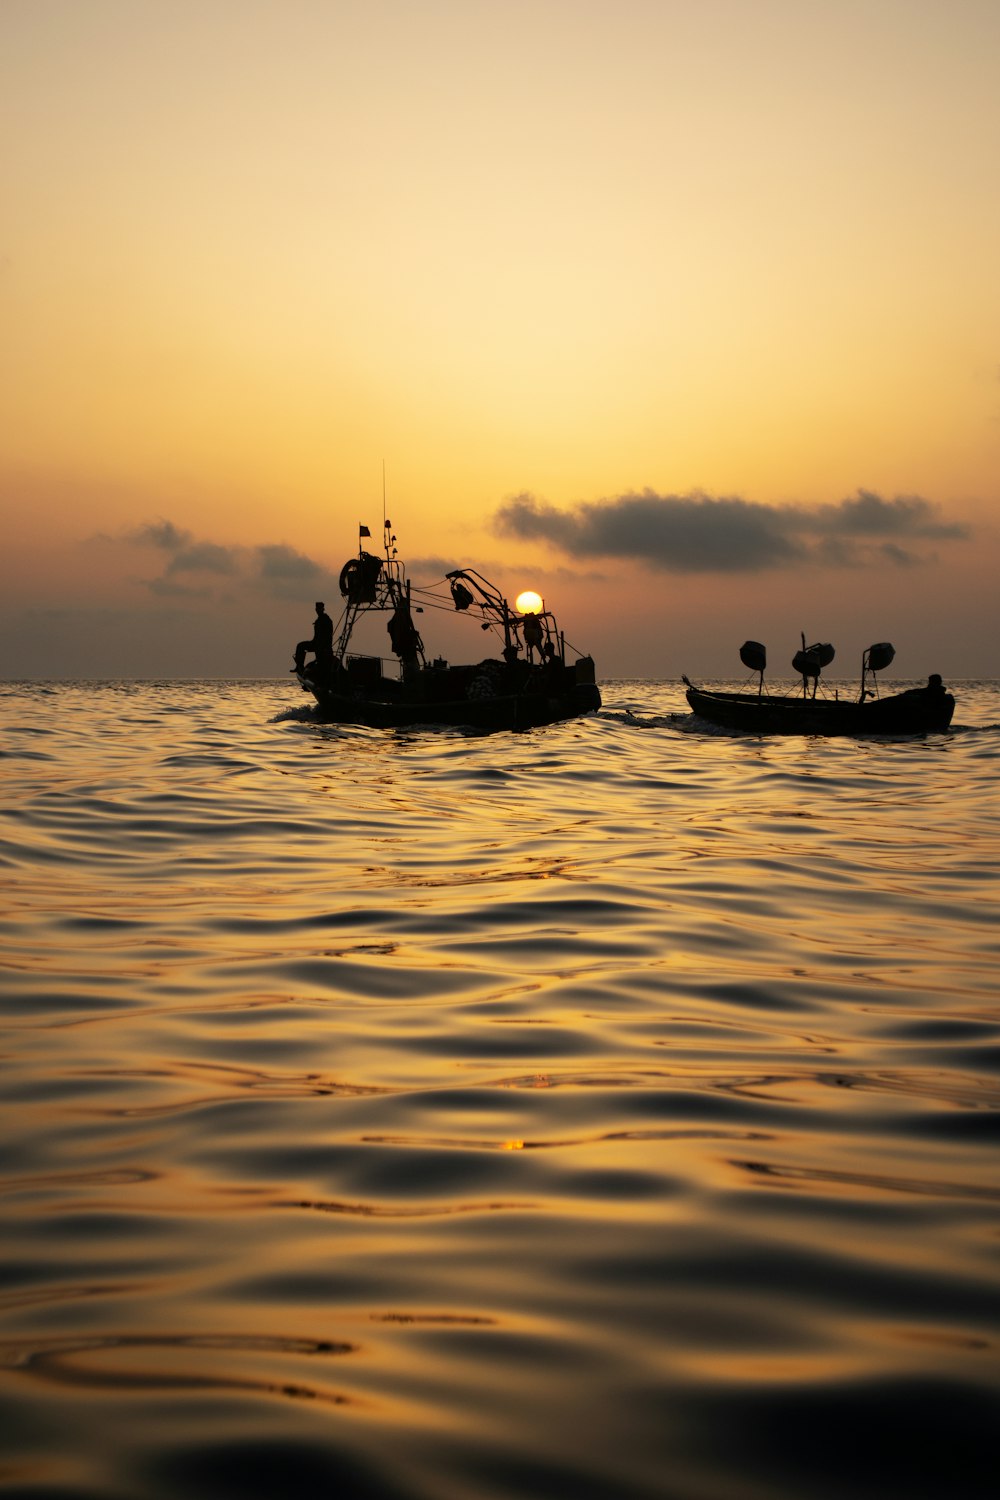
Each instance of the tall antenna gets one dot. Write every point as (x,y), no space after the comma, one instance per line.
(383,495)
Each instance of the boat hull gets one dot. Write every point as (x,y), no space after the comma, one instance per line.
(459,698)
(919,711)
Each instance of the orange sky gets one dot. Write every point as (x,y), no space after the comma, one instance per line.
(570,249)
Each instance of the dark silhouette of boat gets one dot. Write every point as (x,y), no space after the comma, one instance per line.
(529,683)
(925,710)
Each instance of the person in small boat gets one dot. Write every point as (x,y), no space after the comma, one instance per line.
(934,690)
(321,643)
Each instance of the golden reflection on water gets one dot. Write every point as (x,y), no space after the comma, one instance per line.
(494,1116)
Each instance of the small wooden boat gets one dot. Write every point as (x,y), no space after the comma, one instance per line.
(926,710)
(528,683)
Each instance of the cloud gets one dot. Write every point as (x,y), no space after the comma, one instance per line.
(280,570)
(433,567)
(276,560)
(867,514)
(285,573)
(162,534)
(203,557)
(898,555)
(186,555)
(165,588)
(706,534)
(681,533)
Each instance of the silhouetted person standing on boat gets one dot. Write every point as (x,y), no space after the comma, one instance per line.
(532,629)
(321,643)
(406,642)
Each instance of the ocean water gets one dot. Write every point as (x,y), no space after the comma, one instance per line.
(610,1111)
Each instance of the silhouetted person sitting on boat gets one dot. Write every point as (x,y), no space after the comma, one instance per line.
(550,659)
(935,690)
(321,643)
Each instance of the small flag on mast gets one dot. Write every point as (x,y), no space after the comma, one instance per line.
(363,531)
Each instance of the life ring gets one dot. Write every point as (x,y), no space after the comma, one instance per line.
(359,578)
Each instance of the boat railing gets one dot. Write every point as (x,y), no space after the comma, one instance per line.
(364,670)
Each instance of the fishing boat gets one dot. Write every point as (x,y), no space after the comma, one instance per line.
(528,682)
(924,710)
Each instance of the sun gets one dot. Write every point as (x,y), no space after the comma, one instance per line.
(529,603)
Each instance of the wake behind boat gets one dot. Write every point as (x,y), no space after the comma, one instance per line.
(528,683)
(926,710)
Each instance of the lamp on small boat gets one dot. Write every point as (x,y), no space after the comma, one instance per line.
(754,656)
(810,661)
(529,603)
(875,659)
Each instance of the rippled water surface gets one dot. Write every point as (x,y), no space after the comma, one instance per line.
(606,1111)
